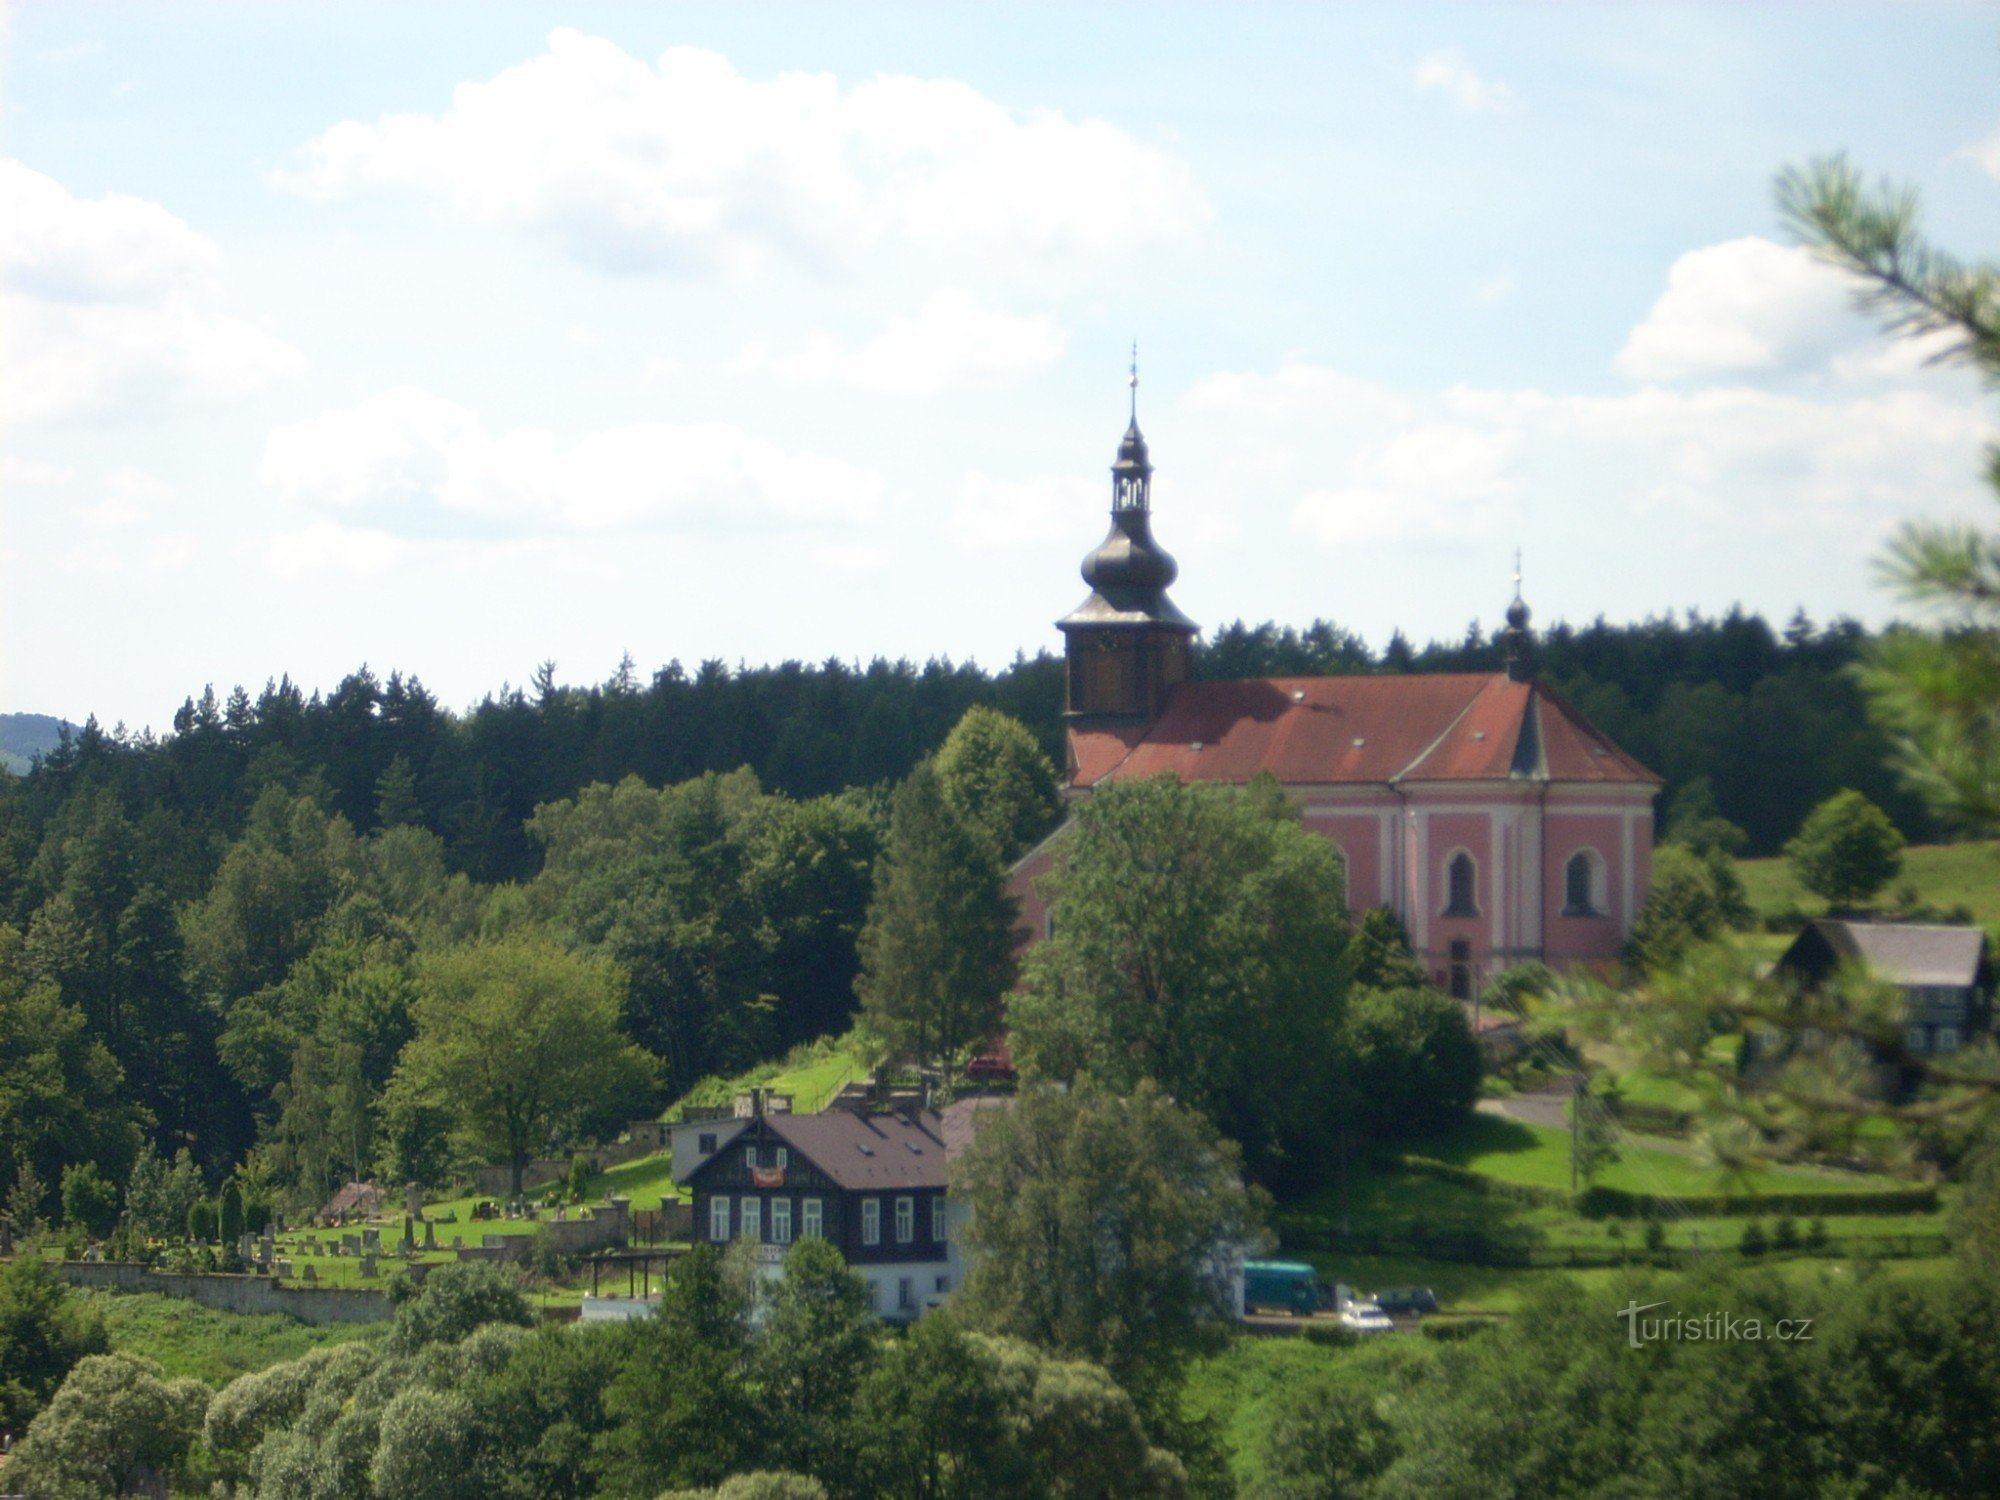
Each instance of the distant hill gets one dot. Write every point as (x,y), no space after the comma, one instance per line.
(24,736)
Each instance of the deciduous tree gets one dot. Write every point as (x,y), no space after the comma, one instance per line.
(521,1039)
(1847,850)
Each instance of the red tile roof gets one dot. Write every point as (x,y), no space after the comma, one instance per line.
(1305,730)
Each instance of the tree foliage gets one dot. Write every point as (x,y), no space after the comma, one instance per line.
(936,952)
(115,1427)
(1847,850)
(1200,940)
(1101,1224)
(998,781)
(522,1039)
(1936,691)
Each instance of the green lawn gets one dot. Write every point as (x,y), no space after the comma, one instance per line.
(1539,1156)
(216,1347)
(1945,875)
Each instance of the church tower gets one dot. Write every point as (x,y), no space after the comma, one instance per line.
(1126,646)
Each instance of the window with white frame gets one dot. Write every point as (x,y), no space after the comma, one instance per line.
(1915,1038)
(1947,1038)
(871,1221)
(750,1156)
(906,1292)
(940,1220)
(783,1157)
(781,1221)
(718,1219)
(810,1221)
(1583,885)
(906,1220)
(1461,886)
(752,1226)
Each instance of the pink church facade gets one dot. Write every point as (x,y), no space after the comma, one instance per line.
(1498,823)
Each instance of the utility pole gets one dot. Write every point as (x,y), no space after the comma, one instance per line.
(1578,1087)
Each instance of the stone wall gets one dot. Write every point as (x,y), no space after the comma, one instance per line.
(237,1294)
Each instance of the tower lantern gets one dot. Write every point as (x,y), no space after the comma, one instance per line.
(1127,645)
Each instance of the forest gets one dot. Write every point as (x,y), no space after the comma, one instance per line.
(214,940)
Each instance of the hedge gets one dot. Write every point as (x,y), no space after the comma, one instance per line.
(1610,1202)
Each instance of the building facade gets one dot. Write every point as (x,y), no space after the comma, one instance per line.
(871,1185)
(1497,822)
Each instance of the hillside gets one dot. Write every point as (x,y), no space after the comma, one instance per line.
(24,736)
(1943,875)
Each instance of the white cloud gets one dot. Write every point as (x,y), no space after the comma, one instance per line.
(1436,481)
(1744,306)
(407,448)
(1985,154)
(1448,73)
(328,547)
(999,514)
(628,166)
(1496,288)
(951,341)
(129,497)
(1363,465)
(110,308)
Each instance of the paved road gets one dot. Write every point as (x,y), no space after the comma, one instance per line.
(1548,1107)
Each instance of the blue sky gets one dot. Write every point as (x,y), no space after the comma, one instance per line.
(452,338)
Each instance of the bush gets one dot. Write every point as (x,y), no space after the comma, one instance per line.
(1597,1202)
(579,1177)
(1816,1237)
(1785,1233)
(1656,1236)
(201,1221)
(453,1301)
(1754,1241)
(115,1428)
(90,1201)
(229,1215)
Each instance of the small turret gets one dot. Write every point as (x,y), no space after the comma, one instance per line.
(1127,644)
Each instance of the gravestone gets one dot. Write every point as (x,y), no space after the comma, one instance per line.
(371,1239)
(413,1201)
(430,1235)
(310,1273)
(368,1264)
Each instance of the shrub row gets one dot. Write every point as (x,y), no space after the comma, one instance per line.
(1609,1202)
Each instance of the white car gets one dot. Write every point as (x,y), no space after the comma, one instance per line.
(1365,1317)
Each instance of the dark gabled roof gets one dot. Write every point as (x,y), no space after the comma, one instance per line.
(1908,953)
(1381,729)
(863,1153)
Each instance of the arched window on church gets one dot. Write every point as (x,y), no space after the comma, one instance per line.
(1461,879)
(1581,886)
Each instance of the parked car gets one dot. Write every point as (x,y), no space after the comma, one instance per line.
(1365,1317)
(1407,1299)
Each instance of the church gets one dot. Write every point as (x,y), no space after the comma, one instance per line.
(1496,821)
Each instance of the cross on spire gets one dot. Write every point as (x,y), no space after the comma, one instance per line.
(1133,380)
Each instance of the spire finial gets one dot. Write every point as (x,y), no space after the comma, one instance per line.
(1518,643)
(1133,380)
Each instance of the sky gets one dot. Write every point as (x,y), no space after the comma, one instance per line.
(453,338)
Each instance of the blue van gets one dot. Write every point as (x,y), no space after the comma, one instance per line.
(1284,1286)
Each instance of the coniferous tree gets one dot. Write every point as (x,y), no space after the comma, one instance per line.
(936,952)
